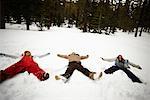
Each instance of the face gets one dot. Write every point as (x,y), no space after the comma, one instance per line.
(73,53)
(120,57)
(27,54)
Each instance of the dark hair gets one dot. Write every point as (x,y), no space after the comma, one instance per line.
(26,52)
(74,54)
(122,59)
(77,54)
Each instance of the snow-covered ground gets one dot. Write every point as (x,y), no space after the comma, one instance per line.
(64,41)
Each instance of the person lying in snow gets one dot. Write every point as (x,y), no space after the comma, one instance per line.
(122,64)
(25,64)
(75,64)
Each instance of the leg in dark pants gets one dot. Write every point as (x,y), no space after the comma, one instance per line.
(11,71)
(70,70)
(83,70)
(131,75)
(111,69)
(73,66)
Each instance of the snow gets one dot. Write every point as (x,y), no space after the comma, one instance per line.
(15,40)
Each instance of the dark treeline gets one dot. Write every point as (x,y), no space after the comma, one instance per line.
(95,16)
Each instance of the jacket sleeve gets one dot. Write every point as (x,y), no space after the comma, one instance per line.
(109,60)
(62,56)
(41,56)
(84,57)
(10,56)
(134,65)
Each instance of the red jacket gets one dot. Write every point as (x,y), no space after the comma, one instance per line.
(25,64)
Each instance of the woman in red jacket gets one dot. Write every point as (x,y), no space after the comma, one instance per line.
(25,64)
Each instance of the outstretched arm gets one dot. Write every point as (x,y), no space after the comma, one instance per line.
(8,55)
(62,56)
(109,60)
(84,57)
(41,56)
(134,65)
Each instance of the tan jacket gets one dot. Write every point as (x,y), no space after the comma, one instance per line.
(73,57)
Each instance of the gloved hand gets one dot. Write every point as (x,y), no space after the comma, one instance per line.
(58,54)
(102,58)
(139,67)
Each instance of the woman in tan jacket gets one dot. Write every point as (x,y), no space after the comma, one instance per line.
(75,64)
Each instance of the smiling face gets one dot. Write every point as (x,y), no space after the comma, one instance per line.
(27,53)
(120,58)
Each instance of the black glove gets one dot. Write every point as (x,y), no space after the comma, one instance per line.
(102,58)
(128,67)
(139,68)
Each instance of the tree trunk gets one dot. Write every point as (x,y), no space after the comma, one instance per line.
(113,30)
(136,32)
(127,4)
(77,18)
(85,27)
(18,20)
(140,20)
(2,15)
(28,24)
(141,31)
(85,15)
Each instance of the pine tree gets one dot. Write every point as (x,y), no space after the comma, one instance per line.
(84,7)
(93,24)
(140,18)
(70,12)
(2,14)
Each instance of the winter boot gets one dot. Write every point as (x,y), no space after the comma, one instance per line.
(60,77)
(95,76)
(2,76)
(45,76)
(57,77)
